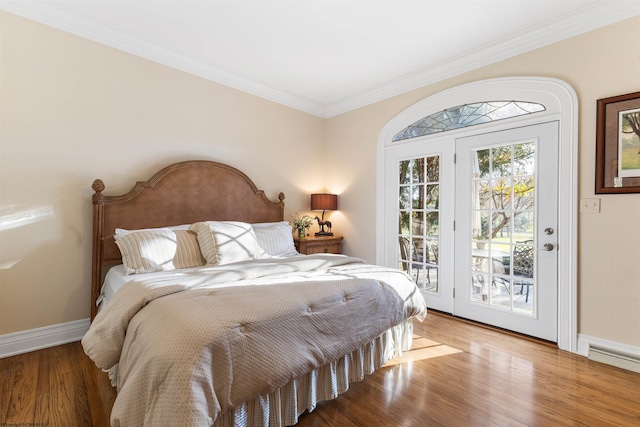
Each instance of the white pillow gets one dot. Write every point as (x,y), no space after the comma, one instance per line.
(121,231)
(224,242)
(268,224)
(275,239)
(159,249)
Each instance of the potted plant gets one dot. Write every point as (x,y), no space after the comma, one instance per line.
(301,224)
(481,236)
(479,244)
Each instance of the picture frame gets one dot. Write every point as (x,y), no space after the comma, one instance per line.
(618,144)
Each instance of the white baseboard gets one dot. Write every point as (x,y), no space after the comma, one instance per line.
(610,352)
(39,338)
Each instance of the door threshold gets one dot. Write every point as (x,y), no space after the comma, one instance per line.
(493,328)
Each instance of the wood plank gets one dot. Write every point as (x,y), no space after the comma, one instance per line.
(8,371)
(83,415)
(62,402)
(22,396)
(43,390)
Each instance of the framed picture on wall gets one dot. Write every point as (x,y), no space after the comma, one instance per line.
(618,144)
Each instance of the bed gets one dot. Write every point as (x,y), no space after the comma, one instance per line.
(203,313)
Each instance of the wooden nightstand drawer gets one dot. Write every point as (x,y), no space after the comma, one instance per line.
(319,245)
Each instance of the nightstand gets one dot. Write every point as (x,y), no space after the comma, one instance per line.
(319,245)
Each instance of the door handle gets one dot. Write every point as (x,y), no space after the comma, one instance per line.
(547,247)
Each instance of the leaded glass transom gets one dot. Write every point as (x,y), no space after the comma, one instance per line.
(467,115)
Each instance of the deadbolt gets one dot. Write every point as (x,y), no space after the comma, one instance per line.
(549,230)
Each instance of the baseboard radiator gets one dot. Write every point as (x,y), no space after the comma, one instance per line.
(616,358)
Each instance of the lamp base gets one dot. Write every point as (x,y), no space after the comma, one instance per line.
(324,233)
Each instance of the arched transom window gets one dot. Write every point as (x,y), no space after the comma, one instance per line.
(467,115)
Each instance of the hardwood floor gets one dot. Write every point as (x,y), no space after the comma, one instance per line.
(457,374)
(58,386)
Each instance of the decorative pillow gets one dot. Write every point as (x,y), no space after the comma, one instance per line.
(275,239)
(224,242)
(159,249)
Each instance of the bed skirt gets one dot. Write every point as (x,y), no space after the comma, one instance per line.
(283,406)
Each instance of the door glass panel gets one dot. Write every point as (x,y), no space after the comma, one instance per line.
(417,196)
(404,197)
(433,224)
(502,222)
(417,223)
(432,198)
(405,178)
(419,220)
(418,170)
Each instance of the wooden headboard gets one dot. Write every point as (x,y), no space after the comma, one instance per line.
(182,193)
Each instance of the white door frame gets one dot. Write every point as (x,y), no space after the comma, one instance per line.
(561,104)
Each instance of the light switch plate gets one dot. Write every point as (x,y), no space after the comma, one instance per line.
(590,205)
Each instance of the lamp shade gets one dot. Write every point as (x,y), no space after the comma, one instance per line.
(324,202)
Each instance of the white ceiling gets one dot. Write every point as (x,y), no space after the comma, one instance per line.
(325,57)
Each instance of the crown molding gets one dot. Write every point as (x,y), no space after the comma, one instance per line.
(44,13)
(594,15)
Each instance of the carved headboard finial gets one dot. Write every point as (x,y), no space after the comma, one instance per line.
(281,196)
(98,186)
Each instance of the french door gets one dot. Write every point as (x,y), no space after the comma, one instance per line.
(499,266)
(418,215)
(506,221)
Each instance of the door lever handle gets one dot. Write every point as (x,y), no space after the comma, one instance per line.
(547,247)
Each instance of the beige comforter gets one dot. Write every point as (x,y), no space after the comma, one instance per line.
(189,347)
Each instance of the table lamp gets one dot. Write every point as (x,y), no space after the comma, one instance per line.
(324,202)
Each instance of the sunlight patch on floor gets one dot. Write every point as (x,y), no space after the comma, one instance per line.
(422,349)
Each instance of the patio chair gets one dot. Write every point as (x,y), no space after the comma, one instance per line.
(522,268)
(414,259)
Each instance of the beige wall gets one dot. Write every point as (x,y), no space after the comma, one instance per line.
(73,110)
(598,65)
